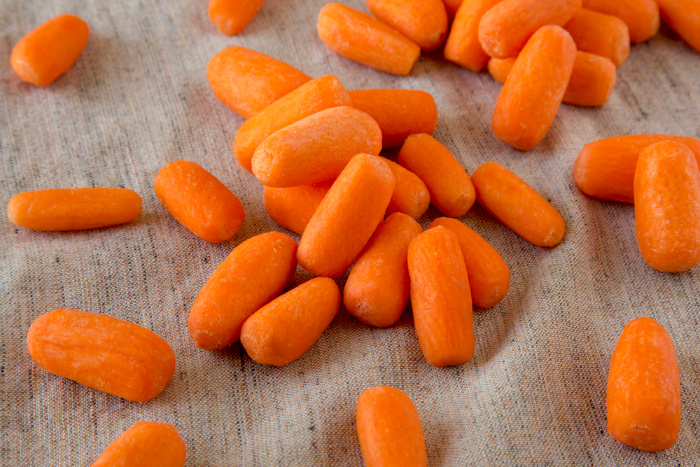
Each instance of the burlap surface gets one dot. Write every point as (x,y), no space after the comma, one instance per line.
(138,97)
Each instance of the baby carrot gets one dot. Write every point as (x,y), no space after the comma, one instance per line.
(254,273)
(366,40)
(422,21)
(293,207)
(284,329)
(311,97)
(534,89)
(451,189)
(683,16)
(451,6)
(489,276)
(62,209)
(667,206)
(49,50)
(199,201)
(600,34)
(316,148)
(377,288)
(232,16)
(644,388)
(399,112)
(605,168)
(514,203)
(145,444)
(506,28)
(410,196)
(347,217)
(248,81)
(389,429)
(440,296)
(640,16)
(103,353)
(463,46)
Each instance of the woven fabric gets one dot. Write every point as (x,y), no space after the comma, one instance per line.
(138,98)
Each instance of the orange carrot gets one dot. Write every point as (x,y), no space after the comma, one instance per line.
(248,81)
(232,16)
(103,353)
(316,148)
(254,273)
(644,388)
(389,429)
(463,46)
(422,21)
(514,203)
(199,201)
(49,50)
(605,168)
(347,217)
(640,16)
(145,444)
(410,196)
(489,276)
(61,209)
(451,189)
(535,87)
(452,6)
(667,206)
(316,95)
(600,34)
(284,329)
(361,38)
(399,112)
(377,288)
(683,16)
(293,207)
(440,296)
(506,28)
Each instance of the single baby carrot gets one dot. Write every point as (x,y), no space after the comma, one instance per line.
(347,217)
(422,21)
(440,297)
(399,112)
(683,16)
(451,189)
(644,388)
(293,207)
(514,203)
(311,97)
(232,16)
(489,276)
(506,28)
(284,329)
(667,206)
(411,196)
(605,168)
(199,201)
(366,40)
(451,6)
(389,429)
(316,148)
(640,16)
(103,353)
(377,288)
(62,209)
(600,34)
(49,50)
(463,46)
(534,89)
(248,81)
(254,273)
(145,444)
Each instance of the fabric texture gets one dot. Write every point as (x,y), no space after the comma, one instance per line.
(138,98)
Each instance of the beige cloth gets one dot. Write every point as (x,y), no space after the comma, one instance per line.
(138,97)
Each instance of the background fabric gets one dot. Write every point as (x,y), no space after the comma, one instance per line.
(138,98)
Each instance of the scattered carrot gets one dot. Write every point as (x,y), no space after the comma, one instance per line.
(232,16)
(377,288)
(293,207)
(463,46)
(62,209)
(640,16)
(644,388)
(683,16)
(145,444)
(451,189)
(667,206)
(103,353)
(248,81)
(316,148)
(423,22)
(254,273)
(389,429)
(514,203)
(284,329)
(600,34)
(366,40)
(534,89)
(199,201)
(451,6)
(410,196)
(347,217)
(49,50)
